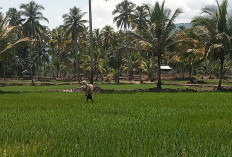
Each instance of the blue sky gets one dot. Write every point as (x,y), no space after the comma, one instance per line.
(102,10)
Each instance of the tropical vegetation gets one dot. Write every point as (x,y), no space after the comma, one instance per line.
(146,40)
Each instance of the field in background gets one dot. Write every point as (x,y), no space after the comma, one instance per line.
(41,123)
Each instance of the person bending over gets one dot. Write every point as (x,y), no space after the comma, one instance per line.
(88,92)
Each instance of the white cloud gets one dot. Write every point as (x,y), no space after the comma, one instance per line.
(102,9)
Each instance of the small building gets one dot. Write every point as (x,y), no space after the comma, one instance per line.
(26,75)
(167,72)
(166,69)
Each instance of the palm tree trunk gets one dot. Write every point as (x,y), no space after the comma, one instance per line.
(159,73)
(118,76)
(4,70)
(221,74)
(190,74)
(91,42)
(152,68)
(210,69)
(37,70)
(44,74)
(57,71)
(130,69)
(182,69)
(30,51)
(140,77)
(118,71)
(77,65)
(97,73)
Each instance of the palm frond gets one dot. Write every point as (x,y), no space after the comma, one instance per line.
(20,42)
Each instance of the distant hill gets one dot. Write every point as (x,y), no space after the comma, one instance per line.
(186,25)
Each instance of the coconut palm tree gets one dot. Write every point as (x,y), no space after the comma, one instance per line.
(32,13)
(139,21)
(7,40)
(74,26)
(107,36)
(1,15)
(32,27)
(14,18)
(91,41)
(157,37)
(117,51)
(57,43)
(189,48)
(123,11)
(148,68)
(215,21)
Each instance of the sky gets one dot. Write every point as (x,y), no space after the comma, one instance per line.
(102,10)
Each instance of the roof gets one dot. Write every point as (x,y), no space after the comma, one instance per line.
(165,68)
(26,71)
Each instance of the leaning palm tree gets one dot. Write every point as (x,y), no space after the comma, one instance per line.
(216,21)
(7,40)
(74,25)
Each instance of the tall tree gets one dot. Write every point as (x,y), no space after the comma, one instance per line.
(139,21)
(32,27)
(91,42)
(107,36)
(32,13)
(74,26)
(57,42)
(14,18)
(216,21)
(7,40)
(123,12)
(157,37)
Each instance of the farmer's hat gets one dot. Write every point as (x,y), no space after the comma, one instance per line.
(84,82)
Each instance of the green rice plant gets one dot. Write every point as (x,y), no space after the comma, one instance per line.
(129,124)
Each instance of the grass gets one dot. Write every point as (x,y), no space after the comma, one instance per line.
(136,124)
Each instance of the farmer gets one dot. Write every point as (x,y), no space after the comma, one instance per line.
(88,91)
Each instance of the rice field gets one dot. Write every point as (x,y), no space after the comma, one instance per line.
(41,123)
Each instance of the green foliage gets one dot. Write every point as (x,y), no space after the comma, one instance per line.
(32,12)
(124,11)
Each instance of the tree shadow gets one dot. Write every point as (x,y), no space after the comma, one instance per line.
(11,92)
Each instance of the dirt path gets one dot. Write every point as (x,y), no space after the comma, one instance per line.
(100,90)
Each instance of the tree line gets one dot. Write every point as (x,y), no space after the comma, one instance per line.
(147,38)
